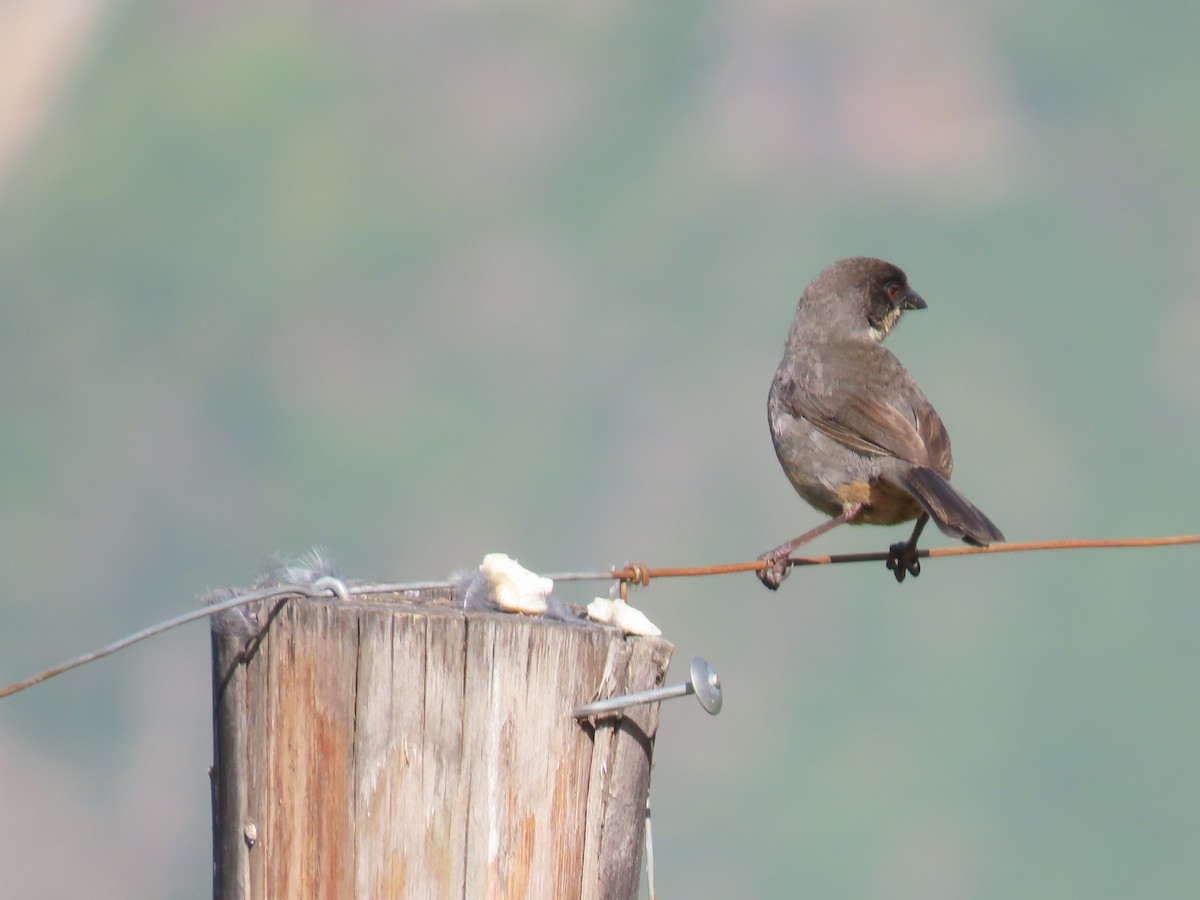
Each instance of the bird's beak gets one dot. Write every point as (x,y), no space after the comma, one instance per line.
(912,300)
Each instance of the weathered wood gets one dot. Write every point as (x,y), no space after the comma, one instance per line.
(386,749)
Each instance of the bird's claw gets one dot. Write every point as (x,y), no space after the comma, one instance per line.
(902,560)
(772,576)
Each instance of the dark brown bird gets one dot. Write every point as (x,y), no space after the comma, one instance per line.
(855,435)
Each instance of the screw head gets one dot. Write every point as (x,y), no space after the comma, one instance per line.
(707,684)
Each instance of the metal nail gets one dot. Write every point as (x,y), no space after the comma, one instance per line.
(704,683)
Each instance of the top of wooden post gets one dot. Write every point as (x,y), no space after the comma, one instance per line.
(404,747)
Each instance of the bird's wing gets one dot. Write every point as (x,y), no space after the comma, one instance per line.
(935,437)
(870,424)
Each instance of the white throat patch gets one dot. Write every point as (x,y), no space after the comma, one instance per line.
(889,322)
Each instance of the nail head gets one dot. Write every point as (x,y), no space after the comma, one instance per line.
(707,684)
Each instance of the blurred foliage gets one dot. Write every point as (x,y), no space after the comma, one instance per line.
(422,283)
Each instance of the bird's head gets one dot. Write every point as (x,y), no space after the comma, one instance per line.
(857,296)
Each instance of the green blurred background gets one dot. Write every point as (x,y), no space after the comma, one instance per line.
(419,282)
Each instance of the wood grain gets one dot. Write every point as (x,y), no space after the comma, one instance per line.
(389,749)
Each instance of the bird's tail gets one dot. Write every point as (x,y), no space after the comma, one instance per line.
(954,514)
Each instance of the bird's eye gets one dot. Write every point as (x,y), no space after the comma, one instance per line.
(893,290)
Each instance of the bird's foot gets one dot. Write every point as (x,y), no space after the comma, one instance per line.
(902,560)
(772,576)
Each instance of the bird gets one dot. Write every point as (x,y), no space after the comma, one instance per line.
(853,432)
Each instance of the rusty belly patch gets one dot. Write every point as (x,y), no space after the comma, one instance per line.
(883,503)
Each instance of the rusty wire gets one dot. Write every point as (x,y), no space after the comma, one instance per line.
(629,574)
(639,574)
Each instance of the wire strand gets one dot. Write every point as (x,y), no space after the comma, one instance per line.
(632,573)
(183,619)
(638,573)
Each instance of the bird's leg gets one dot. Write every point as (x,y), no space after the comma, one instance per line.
(902,557)
(772,576)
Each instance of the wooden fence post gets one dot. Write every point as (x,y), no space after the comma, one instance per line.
(384,748)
